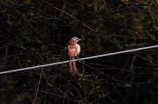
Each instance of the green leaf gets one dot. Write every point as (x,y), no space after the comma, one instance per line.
(50,84)
(22,47)
(127,85)
(71,94)
(156,28)
(80,85)
(28,1)
(29,61)
(9,22)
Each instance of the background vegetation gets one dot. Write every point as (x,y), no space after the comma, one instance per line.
(35,32)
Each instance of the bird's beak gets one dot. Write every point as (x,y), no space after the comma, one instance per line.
(78,39)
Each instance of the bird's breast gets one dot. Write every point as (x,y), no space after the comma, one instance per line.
(73,50)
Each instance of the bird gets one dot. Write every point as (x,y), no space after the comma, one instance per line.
(73,51)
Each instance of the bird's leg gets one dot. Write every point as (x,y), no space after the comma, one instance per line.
(70,60)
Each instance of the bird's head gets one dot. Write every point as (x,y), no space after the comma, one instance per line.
(74,40)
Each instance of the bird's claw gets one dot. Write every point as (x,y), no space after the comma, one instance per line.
(78,58)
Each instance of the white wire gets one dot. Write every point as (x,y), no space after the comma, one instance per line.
(91,57)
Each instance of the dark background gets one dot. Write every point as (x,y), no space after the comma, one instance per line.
(35,32)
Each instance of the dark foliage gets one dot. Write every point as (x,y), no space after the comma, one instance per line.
(35,32)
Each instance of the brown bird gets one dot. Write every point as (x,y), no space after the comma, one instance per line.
(73,51)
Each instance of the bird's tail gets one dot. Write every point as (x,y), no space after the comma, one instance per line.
(72,66)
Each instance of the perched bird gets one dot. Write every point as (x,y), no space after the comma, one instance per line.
(73,51)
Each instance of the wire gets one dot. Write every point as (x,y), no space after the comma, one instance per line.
(91,57)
